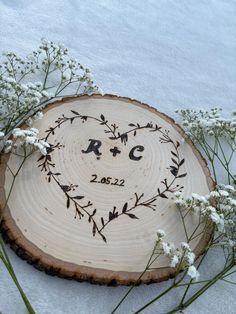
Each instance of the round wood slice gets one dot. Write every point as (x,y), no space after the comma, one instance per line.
(91,207)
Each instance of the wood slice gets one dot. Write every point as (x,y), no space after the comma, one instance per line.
(91,207)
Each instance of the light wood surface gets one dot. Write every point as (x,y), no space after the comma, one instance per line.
(90,209)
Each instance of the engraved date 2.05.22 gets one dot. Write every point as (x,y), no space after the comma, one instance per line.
(107,180)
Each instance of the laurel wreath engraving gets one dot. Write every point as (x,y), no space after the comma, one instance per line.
(86,209)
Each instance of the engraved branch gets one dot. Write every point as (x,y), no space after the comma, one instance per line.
(74,199)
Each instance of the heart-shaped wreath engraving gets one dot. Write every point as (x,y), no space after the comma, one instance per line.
(73,197)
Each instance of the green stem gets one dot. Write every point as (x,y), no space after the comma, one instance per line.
(149,263)
(6,261)
(225,160)
(155,299)
(229,281)
(3,254)
(203,289)
(221,162)
(232,272)
(191,281)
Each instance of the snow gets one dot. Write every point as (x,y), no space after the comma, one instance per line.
(170,54)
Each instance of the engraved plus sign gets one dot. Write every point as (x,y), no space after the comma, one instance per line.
(115,151)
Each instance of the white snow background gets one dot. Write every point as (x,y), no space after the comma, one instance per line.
(169,54)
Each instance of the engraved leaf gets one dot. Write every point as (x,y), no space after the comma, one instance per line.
(174,170)
(111,216)
(94,212)
(68,202)
(103,237)
(84,118)
(78,197)
(94,229)
(132,216)
(174,154)
(40,158)
(181,162)
(163,195)
(65,188)
(75,112)
(125,207)
(182,175)
(174,161)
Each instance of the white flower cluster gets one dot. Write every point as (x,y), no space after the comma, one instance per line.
(183,256)
(37,116)
(21,95)
(210,122)
(29,138)
(55,56)
(25,138)
(218,206)
(17,99)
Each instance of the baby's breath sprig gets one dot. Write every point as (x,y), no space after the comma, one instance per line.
(27,85)
(23,144)
(216,136)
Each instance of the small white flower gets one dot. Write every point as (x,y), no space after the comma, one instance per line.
(24,87)
(223,193)
(177,194)
(166,248)
(2,134)
(190,258)
(215,217)
(233,202)
(231,243)
(30,140)
(10,80)
(211,209)
(37,94)
(174,261)
(8,143)
(161,233)
(100,91)
(179,202)
(193,273)
(38,116)
(211,133)
(35,131)
(221,223)
(7,149)
(229,187)
(185,246)
(214,194)
(29,121)
(199,197)
(18,133)
(44,143)
(45,94)
(7,146)
(41,148)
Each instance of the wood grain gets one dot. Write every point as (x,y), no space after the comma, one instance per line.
(111,244)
